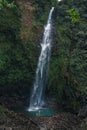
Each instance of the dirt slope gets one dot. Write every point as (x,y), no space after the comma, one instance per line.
(27,18)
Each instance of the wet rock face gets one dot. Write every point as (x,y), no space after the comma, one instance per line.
(52,103)
(83,112)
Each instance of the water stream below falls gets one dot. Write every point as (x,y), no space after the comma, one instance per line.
(37,99)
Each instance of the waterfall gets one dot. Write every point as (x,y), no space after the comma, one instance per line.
(37,100)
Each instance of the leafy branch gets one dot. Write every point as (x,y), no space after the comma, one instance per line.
(74,15)
(5,3)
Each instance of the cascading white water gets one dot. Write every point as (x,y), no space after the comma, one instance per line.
(37,100)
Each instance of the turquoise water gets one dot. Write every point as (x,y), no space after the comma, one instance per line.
(40,112)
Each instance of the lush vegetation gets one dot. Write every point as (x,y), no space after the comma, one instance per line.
(68,73)
(68,64)
(19,57)
(16,65)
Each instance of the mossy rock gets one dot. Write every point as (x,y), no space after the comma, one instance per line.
(2,115)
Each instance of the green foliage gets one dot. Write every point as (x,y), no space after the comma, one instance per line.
(5,3)
(56,76)
(16,64)
(42,8)
(2,114)
(19,58)
(74,15)
(2,110)
(68,75)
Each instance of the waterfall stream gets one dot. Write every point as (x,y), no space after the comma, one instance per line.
(37,100)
